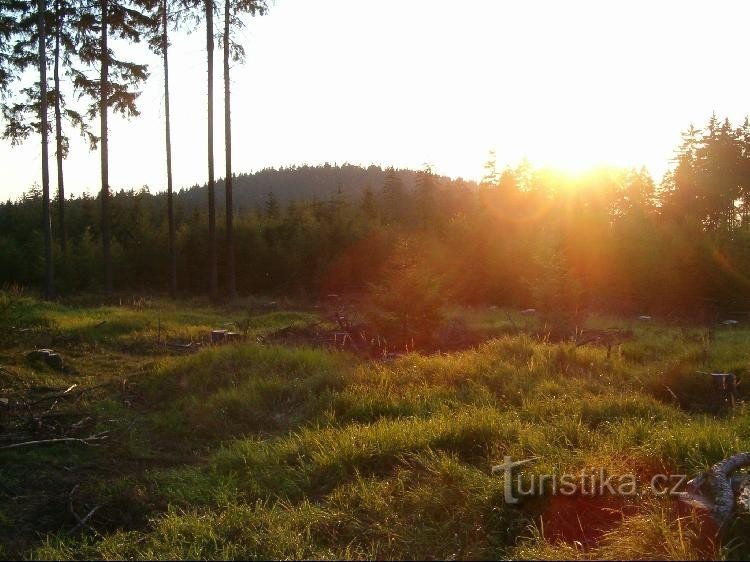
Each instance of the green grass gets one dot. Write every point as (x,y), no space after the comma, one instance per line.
(263,451)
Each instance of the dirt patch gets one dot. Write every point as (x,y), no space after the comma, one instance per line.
(583,519)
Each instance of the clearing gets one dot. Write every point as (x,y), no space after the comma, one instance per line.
(267,448)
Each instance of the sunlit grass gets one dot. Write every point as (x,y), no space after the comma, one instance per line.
(260,451)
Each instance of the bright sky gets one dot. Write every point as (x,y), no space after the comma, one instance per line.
(408,82)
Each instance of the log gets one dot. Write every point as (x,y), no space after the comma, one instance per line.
(720,481)
(718,491)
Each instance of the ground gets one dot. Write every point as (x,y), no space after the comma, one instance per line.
(258,450)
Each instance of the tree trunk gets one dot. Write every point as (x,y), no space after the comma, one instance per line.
(231,280)
(63,234)
(168,141)
(103,94)
(212,250)
(44,126)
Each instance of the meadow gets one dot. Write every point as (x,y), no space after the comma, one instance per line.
(255,449)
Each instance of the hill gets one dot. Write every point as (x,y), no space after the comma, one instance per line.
(302,183)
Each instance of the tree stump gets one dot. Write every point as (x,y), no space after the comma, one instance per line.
(51,358)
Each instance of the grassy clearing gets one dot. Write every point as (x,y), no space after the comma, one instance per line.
(258,451)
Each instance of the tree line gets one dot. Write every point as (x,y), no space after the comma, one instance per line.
(609,238)
(523,236)
(74,37)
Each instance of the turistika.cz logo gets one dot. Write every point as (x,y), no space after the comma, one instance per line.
(588,482)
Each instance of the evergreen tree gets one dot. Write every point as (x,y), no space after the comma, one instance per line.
(272,206)
(233,9)
(367,206)
(213,256)
(165,4)
(425,203)
(393,196)
(160,43)
(44,128)
(26,25)
(114,88)
(66,15)
(22,115)
(8,10)
(744,172)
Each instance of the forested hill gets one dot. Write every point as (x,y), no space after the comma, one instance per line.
(607,239)
(305,183)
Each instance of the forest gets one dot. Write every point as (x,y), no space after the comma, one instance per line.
(607,239)
(346,361)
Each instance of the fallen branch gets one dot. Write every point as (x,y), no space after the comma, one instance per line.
(182,346)
(86,441)
(55,395)
(80,522)
(69,392)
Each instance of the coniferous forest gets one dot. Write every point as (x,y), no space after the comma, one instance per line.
(608,239)
(333,361)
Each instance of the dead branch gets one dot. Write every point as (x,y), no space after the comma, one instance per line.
(54,396)
(85,441)
(81,522)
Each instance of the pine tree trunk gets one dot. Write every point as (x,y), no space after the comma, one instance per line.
(168,141)
(213,257)
(46,219)
(103,93)
(231,280)
(63,234)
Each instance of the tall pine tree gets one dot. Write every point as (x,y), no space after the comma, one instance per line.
(25,25)
(233,10)
(114,87)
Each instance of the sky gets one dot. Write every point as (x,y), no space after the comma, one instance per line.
(569,84)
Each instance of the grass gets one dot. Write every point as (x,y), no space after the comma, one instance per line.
(261,451)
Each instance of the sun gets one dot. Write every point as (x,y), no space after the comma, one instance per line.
(571,154)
